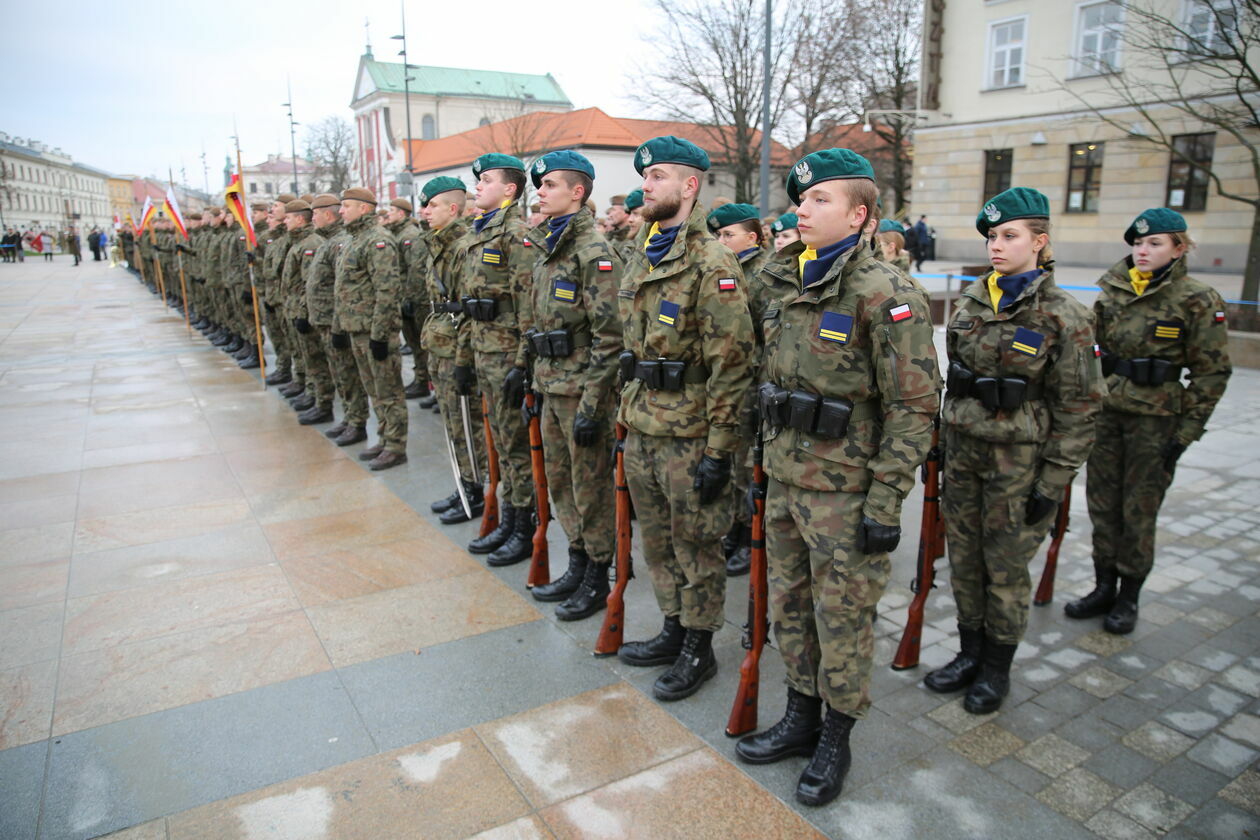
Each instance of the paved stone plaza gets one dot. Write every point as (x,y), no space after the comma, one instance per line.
(216,624)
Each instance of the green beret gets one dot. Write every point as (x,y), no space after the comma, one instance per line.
(564,159)
(787,221)
(729,214)
(437,186)
(634,200)
(1155,220)
(1015,203)
(827,165)
(494,160)
(891,226)
(670,149)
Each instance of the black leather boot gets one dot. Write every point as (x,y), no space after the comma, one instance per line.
(1124,613)
(565,585)
(796,733)
(351,435)
(250,362)
(497,537)
(428,402)
(416,390)
(234,346)
(220,338)
(695,664)
(443,505)
(661,649)
(519,545)
(590,597)
(823,778)
(336,430)
(961,671)
(277,377)
(315,415)
(730,542)
(1098,602)
(293,388)
(455,514)
(994,680)
(301,403)
(739,561)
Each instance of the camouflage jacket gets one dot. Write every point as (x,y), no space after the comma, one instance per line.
(367,285)
(1047,338)
(574,287)
(146,249)
(232,264)
(863,334)
(497,264)
(901,262)
(192,252)
(441,329)
(405,234)
(415,293)
(692,308)
(297,265)
(618,237)
(208,253)
(1179,319)
(274,245)
(322,277)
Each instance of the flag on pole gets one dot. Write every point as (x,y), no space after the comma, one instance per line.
(117,223)
(171,206)
(234,198)
(146,214)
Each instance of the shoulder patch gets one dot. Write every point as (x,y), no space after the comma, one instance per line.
(406,242)
(626,293)
(491,256)
(565,291)
(1167,330)
(1219,317)
(1027,342)
(380,244)
(835,326)
(668,313)
(603,265)
(528,244)
(726,284)
(309,252)
(900,313)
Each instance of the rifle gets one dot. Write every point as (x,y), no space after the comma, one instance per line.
(1045,590)
(931,546)
(610,635)
(540,565)
(744,710)
(490,516)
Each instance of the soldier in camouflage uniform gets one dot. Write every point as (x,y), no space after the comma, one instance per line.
(241,259)
(851,384)
(575,331)
(891,242)
(164,249)
(618,220)
(1153,320)
(490,358)
(367,292)
(297,266)
(192,270)
(415,308)
(402,225)
(288,372)
(1023,392)
(634,224)
(684,313)
(738,227)
(319,303)
(785,231)
(442,205)
(208,250)
(233,248)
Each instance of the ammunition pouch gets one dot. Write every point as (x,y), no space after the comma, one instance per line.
(662,374)
(995,393)
(485,309)
(1147,371)
(452,307)
(825,417)
(555,344)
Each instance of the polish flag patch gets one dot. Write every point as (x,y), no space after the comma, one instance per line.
(603,265)
(380,244)
(900,313)
(528,244)
(726,284)
(1097,351)
(1219,317)
(309,253)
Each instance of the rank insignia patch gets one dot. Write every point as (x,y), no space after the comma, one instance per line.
(836,327)
(490,256)
(1027,342)
(564,290)
(1167,330)
(668,313)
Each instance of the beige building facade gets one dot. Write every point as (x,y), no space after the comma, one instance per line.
(1009,89)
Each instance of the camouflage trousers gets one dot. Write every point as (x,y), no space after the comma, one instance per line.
(319,377)
(682,539)
(823,593)
(383,383)
(511,435)
(419,356)
(345,375)
(579,478)
(442,375)
(1124,488)
(984,492)
(279,338)
(741,460)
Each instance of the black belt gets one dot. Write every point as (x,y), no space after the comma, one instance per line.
(1005,393)
(826,417)
(452,306)
(1149,371)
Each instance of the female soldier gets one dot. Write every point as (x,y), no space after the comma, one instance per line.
(1024,388)
(1152,320)
(892,244)
(785,232)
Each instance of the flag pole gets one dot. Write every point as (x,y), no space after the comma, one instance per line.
(179,256)
(253,287)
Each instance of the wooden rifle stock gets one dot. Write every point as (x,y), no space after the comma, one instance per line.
(490,516)
(1045,590)
(610,635)
(931,546)
(743,717)
(540,565)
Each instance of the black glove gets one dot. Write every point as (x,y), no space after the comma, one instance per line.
(873,538)
(528,414)
(268,307)
(247,296)
(465,380)
(341,341)
(179,246)
(585,430)
(408,310)
(250,258)
(302,325)
(1038,507)
(514,386)
(1171,453)
(751,498)
(712,474)
(380,349)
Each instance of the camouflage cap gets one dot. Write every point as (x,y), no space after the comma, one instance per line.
(729,214)
(402,204)
(564,159)
(787,221)
(325,200)
(494,160)
(1155,220)
(359,194)
(297,205)
(1015,203)
(826,165)
(439,185)
(891,226)
(634,200)
(670,149)
(285,198)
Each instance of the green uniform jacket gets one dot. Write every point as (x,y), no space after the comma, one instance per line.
(405,233)
(1064,366)
(297,265)
(209,251)
(441,329)
(497,264)
(574,287)
(192,253)
(232,262)
(322,278)
(862,333)
(1192,333)
(367,286)
(274,244)
(710,330)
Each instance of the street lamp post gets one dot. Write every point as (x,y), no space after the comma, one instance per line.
(297,186)
(407,79)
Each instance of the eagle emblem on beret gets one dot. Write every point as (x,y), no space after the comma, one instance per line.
(803,173)
(991,212)
(1142,227)
(645,156)
(424,199)
(541,166)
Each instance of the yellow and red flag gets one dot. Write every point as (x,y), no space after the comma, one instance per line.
(234,198)
(171,206)
(146,213)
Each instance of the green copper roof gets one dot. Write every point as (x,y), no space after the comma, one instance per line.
(450,81)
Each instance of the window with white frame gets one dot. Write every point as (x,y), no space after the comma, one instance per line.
(1099,28)
(1006,53)
(1207,24)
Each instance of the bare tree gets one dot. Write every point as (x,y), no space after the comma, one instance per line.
(822,88)
(517,131)
(330,147)
(1198,69)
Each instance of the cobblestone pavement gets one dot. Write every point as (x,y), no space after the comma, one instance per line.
(216,624)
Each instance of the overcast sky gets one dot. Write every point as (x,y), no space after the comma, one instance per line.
(137,86)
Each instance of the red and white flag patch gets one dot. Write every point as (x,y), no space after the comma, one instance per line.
(380,244)
(604,265)
(309,253)
(1219,317)
(1097,351)
(528,244)
(726,284)
(900,313)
